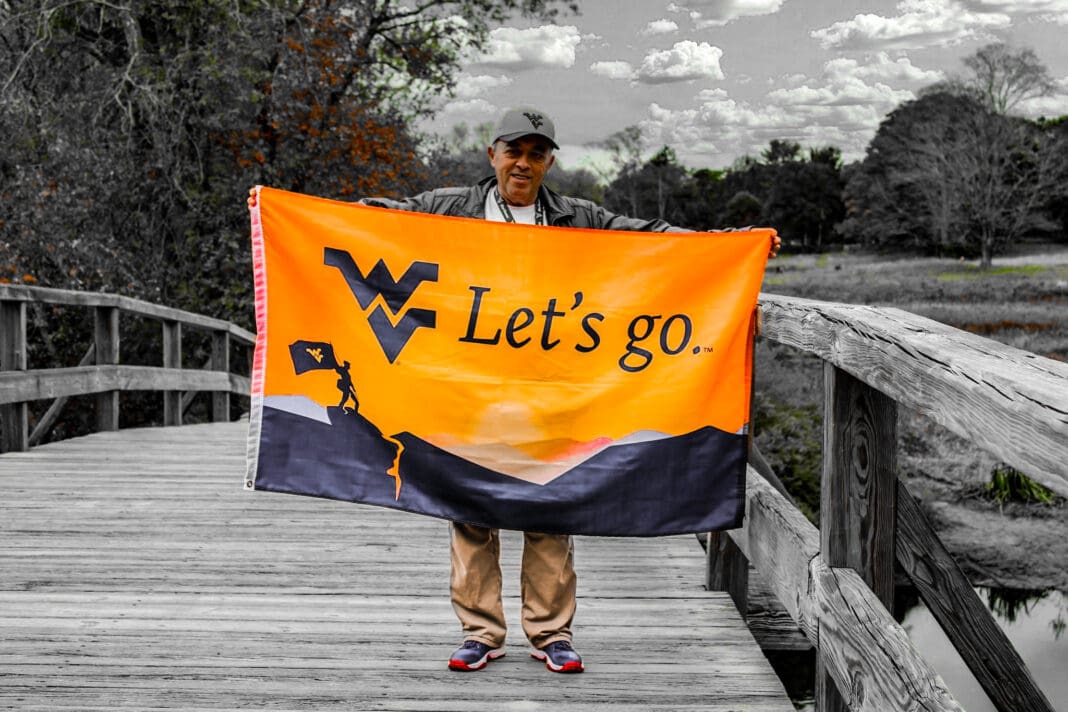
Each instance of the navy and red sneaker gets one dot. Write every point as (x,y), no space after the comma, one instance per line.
(559,656)
(473,655)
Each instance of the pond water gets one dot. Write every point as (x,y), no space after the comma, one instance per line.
(1036,622)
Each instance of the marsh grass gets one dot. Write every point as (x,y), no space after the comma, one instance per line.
(1007,484)
(1023,305)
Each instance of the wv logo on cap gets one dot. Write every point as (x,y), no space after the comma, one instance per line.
(536,120)
(379,284)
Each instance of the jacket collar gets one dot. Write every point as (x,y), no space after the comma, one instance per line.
(556,207)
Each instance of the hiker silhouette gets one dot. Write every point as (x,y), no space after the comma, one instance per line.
(348,391)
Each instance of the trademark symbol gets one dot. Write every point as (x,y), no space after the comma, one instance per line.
(709,349)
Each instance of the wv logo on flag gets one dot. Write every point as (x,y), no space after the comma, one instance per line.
(379,284)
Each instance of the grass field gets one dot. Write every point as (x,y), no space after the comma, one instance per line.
(1022,301)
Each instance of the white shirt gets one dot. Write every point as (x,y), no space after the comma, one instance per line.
(524,214)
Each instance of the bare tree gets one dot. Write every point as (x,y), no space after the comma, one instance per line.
(1002,77)
(1003,169)
(948,173)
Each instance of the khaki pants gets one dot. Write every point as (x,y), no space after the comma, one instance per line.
(547,585)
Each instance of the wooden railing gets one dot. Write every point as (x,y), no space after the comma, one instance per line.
(100,372)
(837,583)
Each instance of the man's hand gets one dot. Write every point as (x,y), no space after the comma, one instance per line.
(252,198)
(776,243)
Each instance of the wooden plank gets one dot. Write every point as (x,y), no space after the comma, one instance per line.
(14,416)
(727,569)
(220,361)
(858,486)
(106,342)
(857,494)
(48,295)
(768,621)
(781,544)
(139,574)
(172,359)
(867,653)
(958,609)
(45,423)
(16,387)
(1005,400)
(870,658)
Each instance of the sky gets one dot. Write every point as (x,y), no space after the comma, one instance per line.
(718,79)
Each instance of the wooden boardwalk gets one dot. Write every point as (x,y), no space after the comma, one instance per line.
(136,573)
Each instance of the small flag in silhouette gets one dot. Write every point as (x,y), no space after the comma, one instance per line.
(312,356)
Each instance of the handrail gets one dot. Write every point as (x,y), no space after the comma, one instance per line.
(105,377)
(1010,402)
(66,297)
(837,583)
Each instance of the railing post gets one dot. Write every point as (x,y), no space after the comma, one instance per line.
(14,417)
(220,361)
(106,340)
(172,358)
(727,569)
(858,493)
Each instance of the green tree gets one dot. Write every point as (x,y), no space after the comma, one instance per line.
(1057,205)
(781,151)
(577,183)
(625,150)
(699,199)
(460,159)
(946,174)
(742,210)
(805,202)
(797,192)
(133,130)
(135,127)
(651,190)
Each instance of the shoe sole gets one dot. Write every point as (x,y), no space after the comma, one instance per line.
(573,666)
(461,666)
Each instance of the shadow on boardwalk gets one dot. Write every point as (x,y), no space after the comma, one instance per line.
(137,573)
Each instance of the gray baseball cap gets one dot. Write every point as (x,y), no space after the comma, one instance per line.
(524,121)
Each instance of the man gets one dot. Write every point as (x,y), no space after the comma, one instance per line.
(521,153)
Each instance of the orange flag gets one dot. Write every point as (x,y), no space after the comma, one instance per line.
(514,376)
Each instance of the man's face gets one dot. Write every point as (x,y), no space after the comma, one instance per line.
(520,166)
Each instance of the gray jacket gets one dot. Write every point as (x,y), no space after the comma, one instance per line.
(561,211)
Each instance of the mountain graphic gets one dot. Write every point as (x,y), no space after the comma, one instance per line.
(539,462)
(647,484)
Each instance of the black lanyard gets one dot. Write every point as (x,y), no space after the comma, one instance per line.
(539,211)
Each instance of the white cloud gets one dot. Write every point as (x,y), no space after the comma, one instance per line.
(613,70)
(660,27)
(720,12)
(719,129)
(845,83)
(472,111)
(919,23)
(843,107)
(846,92)
(534,48)
(1046,10)
(474,86)
(880,66)
(687,60)
(1014,7)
